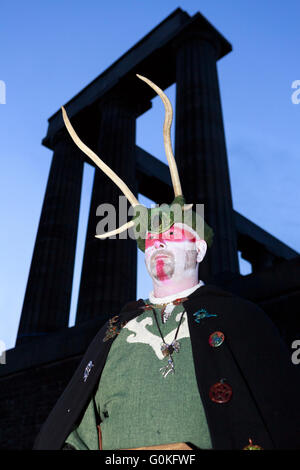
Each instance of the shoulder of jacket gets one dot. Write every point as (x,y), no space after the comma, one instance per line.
(132,306)
(226,302)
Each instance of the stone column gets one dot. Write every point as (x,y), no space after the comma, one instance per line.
(48,293)
(201,150)
(108,278)
(259,257)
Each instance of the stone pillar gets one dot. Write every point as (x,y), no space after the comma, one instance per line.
(259,257)
(108,278)
(48,293)
(201,150)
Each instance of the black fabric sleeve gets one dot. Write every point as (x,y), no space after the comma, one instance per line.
(67,446)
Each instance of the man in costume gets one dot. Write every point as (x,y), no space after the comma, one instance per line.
(192,366)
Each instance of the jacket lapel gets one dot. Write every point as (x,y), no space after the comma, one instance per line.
(72,403)
(213,308)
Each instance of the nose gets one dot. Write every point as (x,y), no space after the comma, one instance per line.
(159,244)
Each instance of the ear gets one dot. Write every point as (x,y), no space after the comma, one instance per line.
(201,248)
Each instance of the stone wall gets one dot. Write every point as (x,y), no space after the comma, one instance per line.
(34,377)
(27,398)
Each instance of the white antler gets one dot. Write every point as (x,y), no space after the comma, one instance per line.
(117,230)
(167,135)
(100,163)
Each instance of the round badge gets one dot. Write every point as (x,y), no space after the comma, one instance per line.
(220,392)
(216,339)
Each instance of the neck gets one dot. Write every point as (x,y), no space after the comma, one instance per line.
(171,298)
(165,289)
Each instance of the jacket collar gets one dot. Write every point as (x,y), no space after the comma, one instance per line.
(131,309)
(210,290)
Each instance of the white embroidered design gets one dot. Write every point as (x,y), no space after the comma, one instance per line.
(143,335)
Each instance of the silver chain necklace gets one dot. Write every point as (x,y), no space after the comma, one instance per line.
(168,349)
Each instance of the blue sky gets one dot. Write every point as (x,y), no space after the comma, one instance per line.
(50,50)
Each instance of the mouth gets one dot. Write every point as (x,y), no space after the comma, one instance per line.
(161,265)
(160,256)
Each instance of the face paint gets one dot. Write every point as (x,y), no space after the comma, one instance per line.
(161,263)
(171,256)
(190,259)
(174,234)
(160,270)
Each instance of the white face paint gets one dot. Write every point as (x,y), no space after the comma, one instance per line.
(172,258)
(171,261)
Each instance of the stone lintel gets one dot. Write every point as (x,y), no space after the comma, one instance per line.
(250,232)
(152,172)
(267,285)
(153,56)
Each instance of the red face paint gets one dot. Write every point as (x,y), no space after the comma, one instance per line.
(174,234)
(160,271)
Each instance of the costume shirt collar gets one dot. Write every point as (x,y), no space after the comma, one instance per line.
(178,295)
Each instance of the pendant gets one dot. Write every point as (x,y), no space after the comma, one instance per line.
(168,349)
(169,368)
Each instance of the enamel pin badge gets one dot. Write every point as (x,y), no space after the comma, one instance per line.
(114,328)
(87,370)
(201,314)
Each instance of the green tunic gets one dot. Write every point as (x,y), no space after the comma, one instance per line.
(138,406)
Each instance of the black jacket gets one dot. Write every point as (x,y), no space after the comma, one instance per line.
(253,360)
